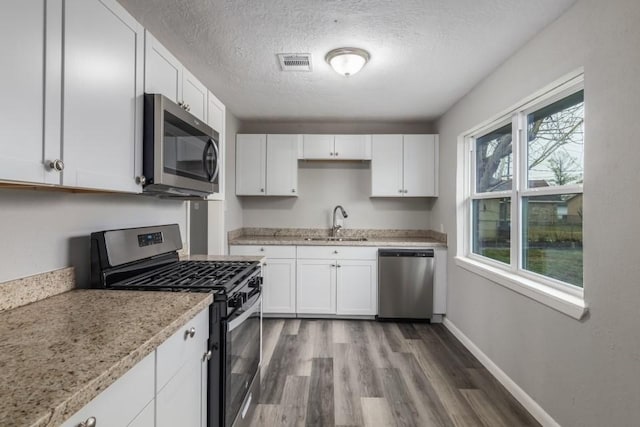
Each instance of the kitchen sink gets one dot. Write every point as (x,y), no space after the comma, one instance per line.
(336,239)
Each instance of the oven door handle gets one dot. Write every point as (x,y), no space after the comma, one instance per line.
(233,324)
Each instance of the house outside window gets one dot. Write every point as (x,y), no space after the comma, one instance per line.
(525,177)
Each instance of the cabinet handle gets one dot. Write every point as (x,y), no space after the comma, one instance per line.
(190,333)
(141,180)
(57,165)
(207,356)
(89,422)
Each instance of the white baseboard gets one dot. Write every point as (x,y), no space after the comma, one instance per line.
(518,393)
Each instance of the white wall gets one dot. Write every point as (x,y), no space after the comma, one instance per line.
(583,373)
(323,185)
(46,230)
(233,207)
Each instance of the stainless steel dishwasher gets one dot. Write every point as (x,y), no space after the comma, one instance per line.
(405,283)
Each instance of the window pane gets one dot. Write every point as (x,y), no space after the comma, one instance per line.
(494,161)
(555,143)
(492,228)
(552,236)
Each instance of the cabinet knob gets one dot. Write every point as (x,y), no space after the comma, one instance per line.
(57,165)
(190,333)
(261,249)
(333,265)
(336,154)
(207,356)
(331,154)
(400,191)
(181,104)
(262,190)
(141,180)
(89,422)
(405,191)
(335,252)
(338,266)
(188,107)
(293,190)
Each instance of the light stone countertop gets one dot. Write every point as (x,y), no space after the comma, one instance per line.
(313,237)
(58,353)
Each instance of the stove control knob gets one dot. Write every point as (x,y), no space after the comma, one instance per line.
(235,302)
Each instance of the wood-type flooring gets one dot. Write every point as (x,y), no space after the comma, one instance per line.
(366,373)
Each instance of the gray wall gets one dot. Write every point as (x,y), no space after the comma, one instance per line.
(322,185)
(46,230)
(583,373)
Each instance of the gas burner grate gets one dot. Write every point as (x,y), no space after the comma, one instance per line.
(192,276)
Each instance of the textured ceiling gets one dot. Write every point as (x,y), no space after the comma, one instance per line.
(425,54)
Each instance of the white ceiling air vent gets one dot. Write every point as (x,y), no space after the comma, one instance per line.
(295,61)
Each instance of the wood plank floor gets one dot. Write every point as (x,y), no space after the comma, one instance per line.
(366,373)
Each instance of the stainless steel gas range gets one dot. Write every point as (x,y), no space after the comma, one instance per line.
(146,258)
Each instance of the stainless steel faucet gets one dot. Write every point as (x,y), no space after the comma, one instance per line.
(336,228)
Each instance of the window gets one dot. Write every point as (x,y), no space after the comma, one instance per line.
(524,205)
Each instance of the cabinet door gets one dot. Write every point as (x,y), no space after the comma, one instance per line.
(386,166)
(130,394)
(282,165)
(194,95)
(352,147)
(103,87)
(279,289)
(356,288)
(251,159)
(179,402)
(22,117)
(162,71)
(318,147)
(316,286)
(420,157)
(216,116)
(146,418)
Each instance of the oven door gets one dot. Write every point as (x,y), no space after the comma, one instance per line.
(243,352)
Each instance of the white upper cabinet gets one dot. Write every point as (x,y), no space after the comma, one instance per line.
(194,95)
(420,165)
(216,117)
(386,166)
(282,165)
(251,162)
(336,147)
(25,145)
(352,147)
(318,146)
(267,165)
(166,75)
(162,71)
(102,98)
(404,166)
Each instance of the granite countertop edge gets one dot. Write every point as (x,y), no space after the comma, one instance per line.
(302,241)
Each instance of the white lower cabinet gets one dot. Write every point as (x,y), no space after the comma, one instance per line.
(344,284)
(279,276)
(130,394)
(279,288)
(167,388)
(316,286)
(357,287)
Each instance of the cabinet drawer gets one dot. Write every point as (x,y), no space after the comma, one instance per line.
(269,251)
(129,394)
(337,252)
(181,347)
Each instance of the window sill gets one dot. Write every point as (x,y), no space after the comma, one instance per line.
(571,305)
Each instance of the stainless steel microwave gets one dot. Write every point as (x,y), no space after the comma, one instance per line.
(180,152)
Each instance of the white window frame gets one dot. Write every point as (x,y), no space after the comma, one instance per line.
(562,296)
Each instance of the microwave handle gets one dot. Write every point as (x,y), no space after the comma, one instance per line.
(217,169)
(210,175)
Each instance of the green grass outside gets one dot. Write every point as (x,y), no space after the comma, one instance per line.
(561,264)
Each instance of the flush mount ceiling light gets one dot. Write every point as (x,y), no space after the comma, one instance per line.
(347,60)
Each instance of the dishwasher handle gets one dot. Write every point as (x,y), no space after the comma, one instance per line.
(402,253)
